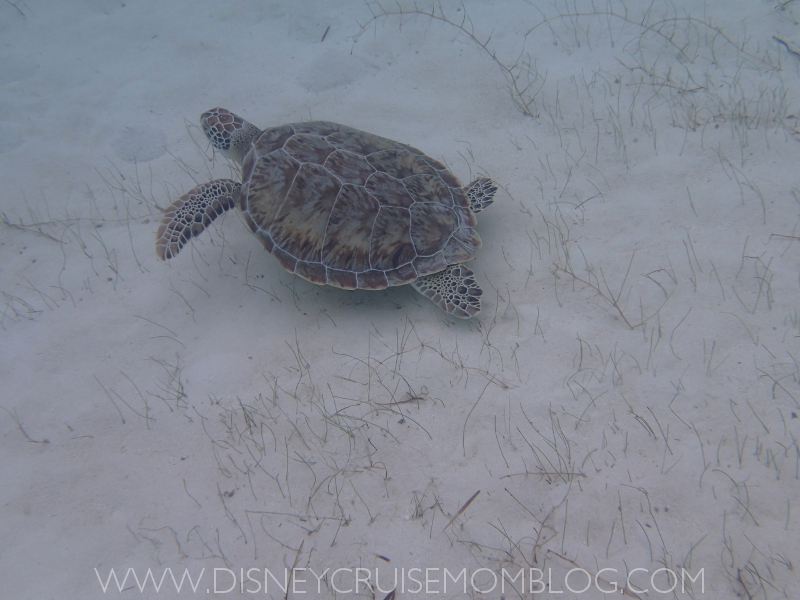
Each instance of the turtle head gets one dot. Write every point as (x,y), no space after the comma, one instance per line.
(229,133)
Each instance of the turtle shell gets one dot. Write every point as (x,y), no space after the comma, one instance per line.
(346,208)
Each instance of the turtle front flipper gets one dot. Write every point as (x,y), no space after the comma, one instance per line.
(190,214)
(481,194)
(454,290)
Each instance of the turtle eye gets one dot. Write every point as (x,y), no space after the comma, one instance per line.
(221,139)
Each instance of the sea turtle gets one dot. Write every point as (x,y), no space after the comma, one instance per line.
(341,207)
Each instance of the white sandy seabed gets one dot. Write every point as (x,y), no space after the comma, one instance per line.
(627,401)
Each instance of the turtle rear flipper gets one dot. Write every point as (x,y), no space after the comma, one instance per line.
(454,290)
(190,214)
(481,194)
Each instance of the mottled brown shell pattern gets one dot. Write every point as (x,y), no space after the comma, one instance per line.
(343,207)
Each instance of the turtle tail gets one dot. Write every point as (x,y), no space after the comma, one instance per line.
(190,214)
